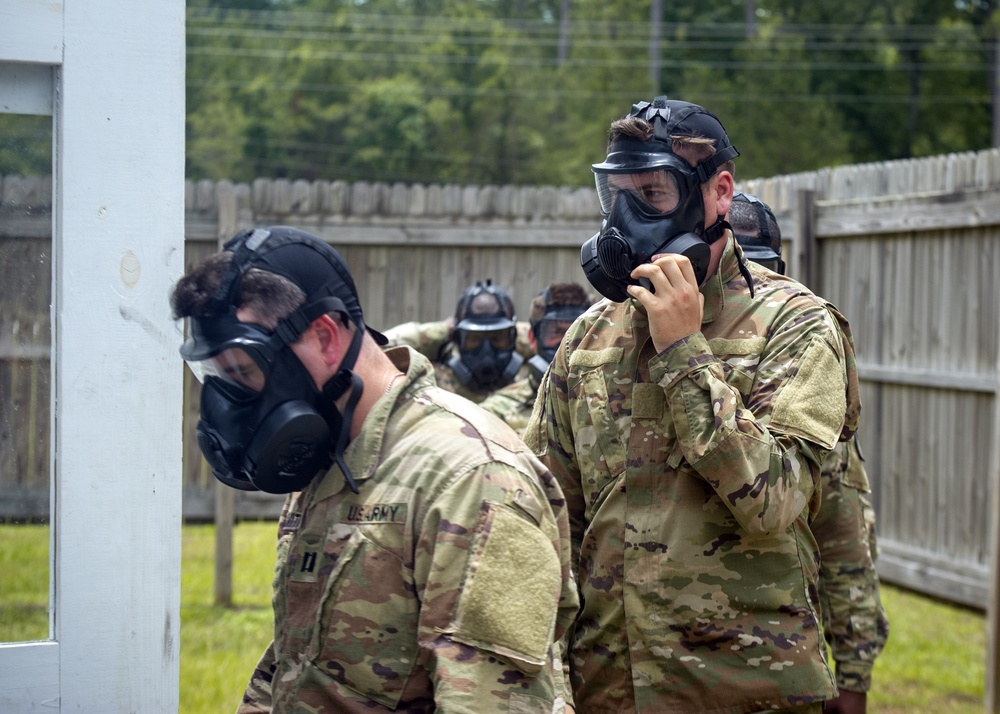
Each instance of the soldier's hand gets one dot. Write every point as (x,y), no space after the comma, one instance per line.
(676,307)
(847,703)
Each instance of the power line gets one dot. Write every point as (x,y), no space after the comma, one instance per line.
(562,94)
(591,63)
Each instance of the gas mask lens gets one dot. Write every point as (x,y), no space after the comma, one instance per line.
(235,366)
(472,340)
(550,332)
(657,192)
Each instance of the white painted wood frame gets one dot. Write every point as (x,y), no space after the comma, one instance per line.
(111,72)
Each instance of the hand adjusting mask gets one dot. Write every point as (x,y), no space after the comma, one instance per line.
(651,200)
(264,426)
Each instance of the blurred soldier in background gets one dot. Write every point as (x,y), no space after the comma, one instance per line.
(552,312)
(854,622)
(475,352)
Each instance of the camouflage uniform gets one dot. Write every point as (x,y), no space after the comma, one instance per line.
(690,476)
(441,586)
(513,403)
(433,341)
(854,620)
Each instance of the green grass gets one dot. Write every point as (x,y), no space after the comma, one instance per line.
(221,645)
(24,586)
(934,660)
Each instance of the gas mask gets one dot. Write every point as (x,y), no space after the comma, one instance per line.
(486,359)
(549,332)
(264,425)
(752,220)
(651,199)
(486,336)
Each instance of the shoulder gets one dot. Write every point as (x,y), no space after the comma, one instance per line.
(449,430)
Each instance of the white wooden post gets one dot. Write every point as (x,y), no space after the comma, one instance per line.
(117,71)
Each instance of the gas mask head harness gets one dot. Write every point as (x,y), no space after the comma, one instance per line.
(486,337)
(550,328)
(264,425)
(757,232)
(651,198)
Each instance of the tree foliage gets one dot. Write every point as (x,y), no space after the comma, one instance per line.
(522,91)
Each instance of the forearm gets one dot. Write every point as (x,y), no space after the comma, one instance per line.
(854,619)
(765,476)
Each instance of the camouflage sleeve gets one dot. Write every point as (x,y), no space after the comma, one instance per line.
(762,453)
(491,571)
(854,620)
(427,338)
(257,698)
(548,435)
(512,404)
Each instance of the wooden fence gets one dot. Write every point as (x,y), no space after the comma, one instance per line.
(908,250)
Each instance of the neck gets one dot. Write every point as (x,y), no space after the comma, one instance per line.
(378,374)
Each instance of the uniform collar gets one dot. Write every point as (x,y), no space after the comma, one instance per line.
(714,289)
(362,454)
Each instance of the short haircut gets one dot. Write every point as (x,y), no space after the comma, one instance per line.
(268,295)
(556,295)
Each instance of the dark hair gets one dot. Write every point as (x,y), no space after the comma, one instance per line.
(749,218)
(270,296)
(556,295)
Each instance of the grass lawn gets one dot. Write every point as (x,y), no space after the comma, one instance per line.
(934,661)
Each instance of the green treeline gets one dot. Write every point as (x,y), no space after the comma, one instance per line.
(522,91)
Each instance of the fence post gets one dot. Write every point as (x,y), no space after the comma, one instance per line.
(225,497)
(806,249)
(993,597)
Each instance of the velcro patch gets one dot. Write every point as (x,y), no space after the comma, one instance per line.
(595,358)
(508,605)
(814,402)
(648,401)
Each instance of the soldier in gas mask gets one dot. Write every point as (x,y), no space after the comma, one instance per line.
(553,310)
(686,417)
(476,351)
(854,621)
(424,562)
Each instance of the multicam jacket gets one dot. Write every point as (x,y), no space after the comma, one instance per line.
(514,402)
(441,586)
(854,620)
(690,476)
(433,341)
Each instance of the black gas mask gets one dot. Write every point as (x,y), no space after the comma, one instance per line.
(486,356)
(757,232)
(651,199)
(549,331)
(486,337)
(264,425)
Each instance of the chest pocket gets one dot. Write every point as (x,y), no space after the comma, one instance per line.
(367,635)
(602,431)
(363,623)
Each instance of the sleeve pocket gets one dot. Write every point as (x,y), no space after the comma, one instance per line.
(511,592)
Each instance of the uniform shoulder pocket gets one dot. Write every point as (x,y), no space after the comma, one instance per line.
(510,592)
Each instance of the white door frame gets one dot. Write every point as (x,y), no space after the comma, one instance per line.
(111,72)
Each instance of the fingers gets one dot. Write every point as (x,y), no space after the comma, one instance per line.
(666,272)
